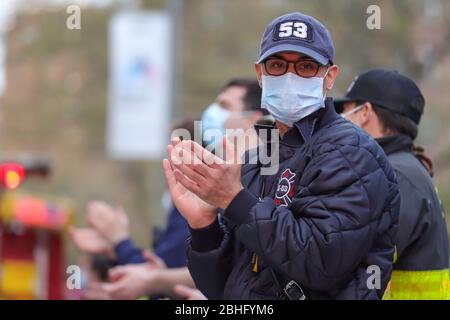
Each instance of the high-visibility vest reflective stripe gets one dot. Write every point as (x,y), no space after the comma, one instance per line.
(419,285)
(394,260)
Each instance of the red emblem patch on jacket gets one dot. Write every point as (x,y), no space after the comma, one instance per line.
(285,189)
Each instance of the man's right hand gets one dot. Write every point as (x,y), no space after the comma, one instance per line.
(198,213)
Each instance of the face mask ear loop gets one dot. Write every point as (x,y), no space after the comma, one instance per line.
(326,74)
(325,91)
(357,109)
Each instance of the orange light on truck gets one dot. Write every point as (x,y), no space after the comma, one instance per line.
(11,175)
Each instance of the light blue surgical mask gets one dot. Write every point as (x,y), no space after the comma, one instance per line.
(290,98)
(213,123)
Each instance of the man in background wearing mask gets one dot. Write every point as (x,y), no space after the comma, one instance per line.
(389,107)
(320,228)
(237,107)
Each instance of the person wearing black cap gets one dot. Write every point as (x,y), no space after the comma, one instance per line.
(389,107)
(321,224)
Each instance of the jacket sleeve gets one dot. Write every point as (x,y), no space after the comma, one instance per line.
(413,218)
(331,224)
(128,253)
(210,254)
(171,246)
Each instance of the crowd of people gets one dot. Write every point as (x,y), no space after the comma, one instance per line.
(349,212)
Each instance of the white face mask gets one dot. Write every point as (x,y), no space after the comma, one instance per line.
(290,98)
(353,111)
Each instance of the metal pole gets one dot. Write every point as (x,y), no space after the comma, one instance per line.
(176,8)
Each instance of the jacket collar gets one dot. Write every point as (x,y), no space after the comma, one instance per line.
(304,129)
(394,144)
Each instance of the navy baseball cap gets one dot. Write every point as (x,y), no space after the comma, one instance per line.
(300,33)
(387,89)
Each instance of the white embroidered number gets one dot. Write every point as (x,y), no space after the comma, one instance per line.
(298,29)
(286,30)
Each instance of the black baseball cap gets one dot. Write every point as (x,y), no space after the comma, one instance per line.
(387,89)
(297,32)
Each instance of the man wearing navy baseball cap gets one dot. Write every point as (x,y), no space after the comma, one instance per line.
(322,226)
(295,67)
(389,107)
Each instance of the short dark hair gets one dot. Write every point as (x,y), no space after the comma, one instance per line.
(186,124)
(252,98)
(395,123)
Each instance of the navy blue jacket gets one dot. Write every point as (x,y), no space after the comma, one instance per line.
(326,220)
(171,244)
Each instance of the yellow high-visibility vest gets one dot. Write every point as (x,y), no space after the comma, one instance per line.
(418,285)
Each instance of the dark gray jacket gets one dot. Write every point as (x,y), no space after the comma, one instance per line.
(422,239)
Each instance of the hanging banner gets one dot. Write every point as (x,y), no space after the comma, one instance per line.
(140,85)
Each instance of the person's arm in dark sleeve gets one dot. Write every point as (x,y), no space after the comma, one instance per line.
(210,259)
(171,246)
(322,238)
(413,219)
(128,253)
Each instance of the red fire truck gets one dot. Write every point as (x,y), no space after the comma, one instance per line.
(32,259)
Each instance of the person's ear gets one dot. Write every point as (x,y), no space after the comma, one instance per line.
(258,70)
(333,73)
(255,117)
(366,113)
